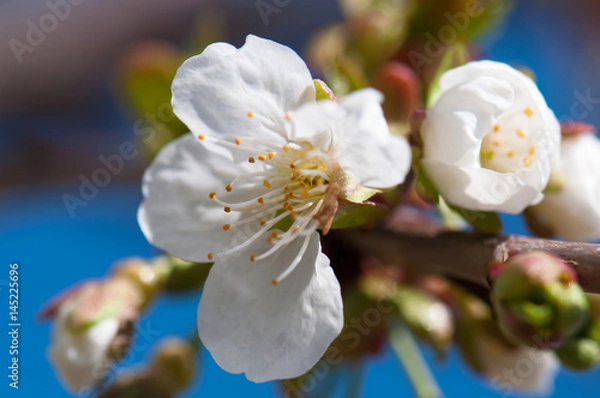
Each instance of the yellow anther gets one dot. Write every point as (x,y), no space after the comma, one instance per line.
(252,257)
(285,148)
(261,201)
(267,184)
(486,155)
(304,194)
(228,188)
(527,161)
(250,114)
(227,209)
(293,214)
(226,227)
(520,133)
(286,188)
(210,256)
(292,166)
(496,143)
(238,141)
(510,154)
(201,136)
(274,282)
(262,157)
(251,159)
(271,155)
(531,149)
(496,128)
(289,195)
(212,195)
(263,222)
(286,116)
(274,234)
(529,112)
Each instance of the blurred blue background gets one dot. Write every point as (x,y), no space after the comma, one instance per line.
(49,139)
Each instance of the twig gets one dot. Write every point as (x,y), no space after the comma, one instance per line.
(466,256)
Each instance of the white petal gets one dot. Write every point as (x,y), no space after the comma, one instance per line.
(365,148)
(481,189)
(214,92)
(177,214)
(271,331)
(81,359)
(574,212)
(454,127)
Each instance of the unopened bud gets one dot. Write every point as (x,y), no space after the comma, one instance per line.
(142,274)
(429,318)
(537,300)
(401,88)
(579,353)
(175,364)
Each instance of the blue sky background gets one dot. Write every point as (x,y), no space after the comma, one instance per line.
(55,250)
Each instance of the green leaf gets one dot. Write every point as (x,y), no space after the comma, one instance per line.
(356,214)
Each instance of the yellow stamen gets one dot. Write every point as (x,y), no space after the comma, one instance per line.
(496,128)
(263,222)
(510,154)
(520,133)
(267,184)
(226,227)
(271,155)
(252,256)
(496,143)
(531,149)
(250,114)
(228,188)
(210,256)
(285,148)
(261,201)
(251,159)
(262,157)
(212,195)
(274,282)
(529,112)
(201,136)
(238,141)
(227,209)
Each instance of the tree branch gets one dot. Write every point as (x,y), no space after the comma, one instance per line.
(466,256)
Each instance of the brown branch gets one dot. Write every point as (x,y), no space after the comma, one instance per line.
(466,256)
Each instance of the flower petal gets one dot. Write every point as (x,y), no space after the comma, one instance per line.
(81,359)
(232,93)
(481,189)
(454,127)
(574,212)
(364,146)
(271,331)
(177,214)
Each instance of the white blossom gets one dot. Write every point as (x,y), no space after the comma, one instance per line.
(490,139)
(263,153)
(574,211)
(81,357)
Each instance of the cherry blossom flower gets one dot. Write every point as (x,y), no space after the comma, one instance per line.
(490,139)
(266,167)
(574,211)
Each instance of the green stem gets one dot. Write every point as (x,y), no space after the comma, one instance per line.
(407,350)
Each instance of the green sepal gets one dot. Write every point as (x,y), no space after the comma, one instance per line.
(485,222)
(355,214)
(323,92)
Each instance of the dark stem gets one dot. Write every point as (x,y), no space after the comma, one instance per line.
(467,256)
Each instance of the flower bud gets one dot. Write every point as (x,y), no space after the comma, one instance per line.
(579,353)
(428,318)
(175,364)
(93,327)
(142,274)
(537,300)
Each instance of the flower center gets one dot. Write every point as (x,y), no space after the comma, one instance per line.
(509,146)
(299,187)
